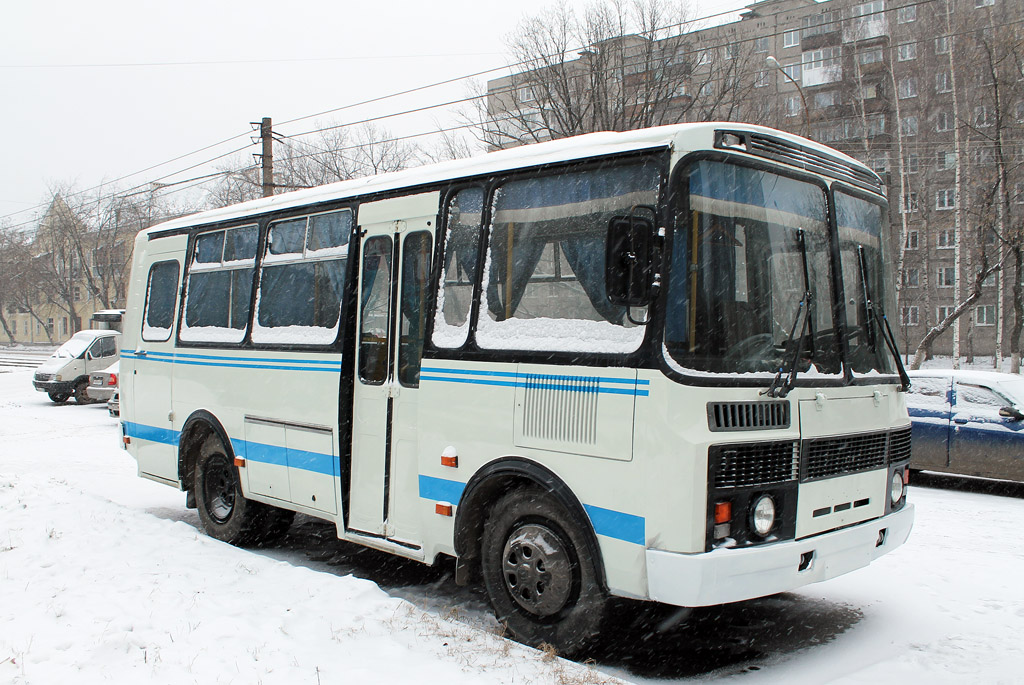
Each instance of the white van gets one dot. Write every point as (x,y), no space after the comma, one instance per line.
(66,373)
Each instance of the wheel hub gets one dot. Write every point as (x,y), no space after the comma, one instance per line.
(537,570)
(219,490)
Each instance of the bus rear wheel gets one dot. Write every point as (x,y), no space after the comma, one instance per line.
(224,511)
(539,574)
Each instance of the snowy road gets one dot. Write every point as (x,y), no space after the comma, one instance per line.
(105,578)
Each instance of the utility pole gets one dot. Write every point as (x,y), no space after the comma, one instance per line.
(266,159)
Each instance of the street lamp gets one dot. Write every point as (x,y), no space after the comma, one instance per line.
(775,63)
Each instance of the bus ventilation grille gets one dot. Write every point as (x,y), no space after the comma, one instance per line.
(560,408)
(756,463)
(803,157)
(848,454)
(747,416)
(899,445)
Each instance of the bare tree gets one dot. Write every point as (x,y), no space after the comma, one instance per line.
(618,65)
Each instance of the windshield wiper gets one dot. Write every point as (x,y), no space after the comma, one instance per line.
(780,387)
(881,320)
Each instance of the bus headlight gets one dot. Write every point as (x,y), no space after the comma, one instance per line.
(763,515)
(896,488)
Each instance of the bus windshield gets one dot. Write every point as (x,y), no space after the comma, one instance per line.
(750,261)
(867,288)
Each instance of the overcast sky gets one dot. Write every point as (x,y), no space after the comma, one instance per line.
(93,91)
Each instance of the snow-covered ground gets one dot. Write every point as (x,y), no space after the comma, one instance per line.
(104,577)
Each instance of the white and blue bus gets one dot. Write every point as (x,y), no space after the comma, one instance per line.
(651,365)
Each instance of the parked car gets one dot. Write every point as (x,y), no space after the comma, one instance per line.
(66,372)
(103,384)
(967,422)
(114,404)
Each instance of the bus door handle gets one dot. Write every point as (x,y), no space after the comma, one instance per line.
(140,353)
(960,421)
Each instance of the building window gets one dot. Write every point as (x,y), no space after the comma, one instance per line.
(790,39)
(908,87)
(911,277)
(826,98)
(870,56)
(913,239)
(943,122)
(815,24)
(731,51)
(947,160)
(986,315)
(793,71)
(942,312)
(906,52)
(869,91)
(984,3)
(943,82)
(705,90)
(908,126)
(945,199)
(762,79)
(704,59)
(944,238)
(946,277)
(942,45)
(1018,111)
(905,15)
(78,293)
(909,316)
(793,106)
(910,205)
(913,164)
(762,44)
(982,116)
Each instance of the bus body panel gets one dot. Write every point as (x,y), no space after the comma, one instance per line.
(385,463)
(146,381)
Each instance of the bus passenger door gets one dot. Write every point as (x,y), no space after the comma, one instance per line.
(393,276)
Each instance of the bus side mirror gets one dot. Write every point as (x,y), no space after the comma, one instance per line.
(628,268)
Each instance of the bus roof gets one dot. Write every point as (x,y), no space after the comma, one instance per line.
(688,136)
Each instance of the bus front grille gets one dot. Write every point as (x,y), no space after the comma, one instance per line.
(746,416)
(899,445)
(756,463)
(847,454)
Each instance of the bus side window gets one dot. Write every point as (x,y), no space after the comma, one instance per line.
(375,312)
(461,254)
(415,275)
(158,317)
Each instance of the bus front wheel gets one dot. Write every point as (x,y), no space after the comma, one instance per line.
(539,574)
(224,512)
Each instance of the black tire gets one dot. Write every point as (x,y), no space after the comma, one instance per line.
(539,573)
(58,397)
(81,396)
(224,512)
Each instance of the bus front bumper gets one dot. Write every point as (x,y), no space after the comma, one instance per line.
(733,575)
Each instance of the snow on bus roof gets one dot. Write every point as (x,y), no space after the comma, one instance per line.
(537,154)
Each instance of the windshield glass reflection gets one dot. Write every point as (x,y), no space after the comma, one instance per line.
(738,277)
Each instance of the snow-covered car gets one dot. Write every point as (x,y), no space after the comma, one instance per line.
(66,372)
(969,423)
(103,384)
(114,404)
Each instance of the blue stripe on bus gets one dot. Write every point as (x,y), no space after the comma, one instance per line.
(441,490)
(238,363)
(316,462)
(180,355)
(617,524)
(607,522)
(547,381)
(165,436)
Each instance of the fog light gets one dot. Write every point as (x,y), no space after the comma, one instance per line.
(764,515)
(896,488)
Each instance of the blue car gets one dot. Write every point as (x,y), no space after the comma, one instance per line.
(969,423)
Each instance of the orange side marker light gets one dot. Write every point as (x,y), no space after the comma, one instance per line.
(443,508)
